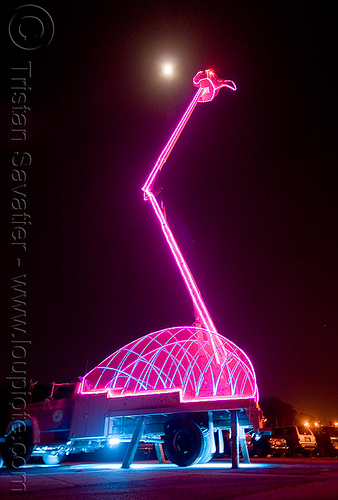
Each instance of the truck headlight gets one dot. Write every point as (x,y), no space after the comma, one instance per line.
(114,441)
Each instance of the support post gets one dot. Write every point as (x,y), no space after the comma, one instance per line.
(244,446)
(160,453)
(220,442)
(130,453)
(234,439)
(212,432)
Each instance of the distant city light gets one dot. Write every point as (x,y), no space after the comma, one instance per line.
(307,424)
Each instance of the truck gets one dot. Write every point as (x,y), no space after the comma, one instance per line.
(178,388)
(183,432)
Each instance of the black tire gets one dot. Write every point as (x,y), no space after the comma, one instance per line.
(206,454)
(183,442)
(19,444)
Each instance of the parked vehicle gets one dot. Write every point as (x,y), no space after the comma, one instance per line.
(266,443)
(299,438)
(327,441)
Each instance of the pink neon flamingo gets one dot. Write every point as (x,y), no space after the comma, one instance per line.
(211,84)
(208,85)
(195,360)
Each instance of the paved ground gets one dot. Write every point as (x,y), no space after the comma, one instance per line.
(266,479)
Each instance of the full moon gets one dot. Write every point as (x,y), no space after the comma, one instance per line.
(167,69)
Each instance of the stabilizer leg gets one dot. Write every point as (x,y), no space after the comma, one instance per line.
(160,453)
(244,446)
(130,453)
(234,439)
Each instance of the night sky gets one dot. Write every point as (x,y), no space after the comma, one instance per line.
(250,189)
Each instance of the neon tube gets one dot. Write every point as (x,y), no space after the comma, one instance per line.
(148,186)
(208,87)
(175,359)
(202,317)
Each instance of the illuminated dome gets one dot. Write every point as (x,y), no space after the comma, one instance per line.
(196,361)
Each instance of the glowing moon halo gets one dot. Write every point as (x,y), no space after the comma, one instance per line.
(167,69)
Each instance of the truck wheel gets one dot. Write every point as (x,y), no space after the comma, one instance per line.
(18,446)
(54,458)
(206,454)
(183,442)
